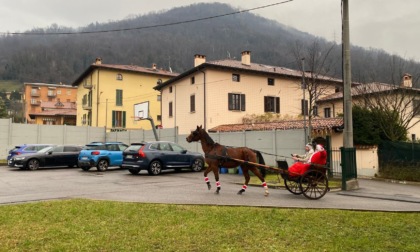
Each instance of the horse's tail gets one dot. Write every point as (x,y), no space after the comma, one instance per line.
(260,159)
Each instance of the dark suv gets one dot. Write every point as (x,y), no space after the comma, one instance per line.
(160,155)
(102,155)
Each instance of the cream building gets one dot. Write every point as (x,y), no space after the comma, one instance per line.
(224,91)
(107,95)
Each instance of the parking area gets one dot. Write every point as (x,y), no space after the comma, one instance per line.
(186,187)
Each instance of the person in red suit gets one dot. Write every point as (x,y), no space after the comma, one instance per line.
(319,157)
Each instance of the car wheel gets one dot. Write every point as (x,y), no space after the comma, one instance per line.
(33,164)
(197,165)
(102,165)
(134,171)
(85,168)
(155,168)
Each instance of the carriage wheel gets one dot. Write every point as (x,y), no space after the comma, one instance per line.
(292,186)
(314,184)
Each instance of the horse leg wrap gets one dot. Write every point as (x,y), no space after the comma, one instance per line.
(206,179)
(218,187)
(264,184)
(244,187)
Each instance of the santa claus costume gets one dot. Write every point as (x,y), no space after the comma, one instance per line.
(318,157)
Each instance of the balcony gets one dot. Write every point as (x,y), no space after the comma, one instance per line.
(87,85)
(35,102)
(87,106)
(52,94)
(35,93)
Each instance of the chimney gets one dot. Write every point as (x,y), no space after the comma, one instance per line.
(199,59)
(98,61)
(246,58)
(154,66)
(407,80)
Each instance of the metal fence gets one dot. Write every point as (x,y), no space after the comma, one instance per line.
(335,162)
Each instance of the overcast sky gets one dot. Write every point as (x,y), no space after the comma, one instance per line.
(390,25)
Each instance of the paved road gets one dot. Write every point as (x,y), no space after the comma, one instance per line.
(17,186)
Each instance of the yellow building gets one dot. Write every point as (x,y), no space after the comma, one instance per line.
(225,91)
(107,94)
(52,104)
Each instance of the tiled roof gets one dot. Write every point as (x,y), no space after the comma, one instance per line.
(56,112)
(317,124)
(368,88)
(66,105)
(129,68)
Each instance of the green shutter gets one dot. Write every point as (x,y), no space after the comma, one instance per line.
(123,119)
(277,105)
(242,102)
(230,107)
(113,119)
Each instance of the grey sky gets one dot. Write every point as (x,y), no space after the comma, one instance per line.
(385,24)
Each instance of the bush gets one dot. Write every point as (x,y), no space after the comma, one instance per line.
(401,171)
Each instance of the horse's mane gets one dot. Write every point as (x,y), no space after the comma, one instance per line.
(208,138)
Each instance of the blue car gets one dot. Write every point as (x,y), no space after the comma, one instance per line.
(101,155)
(160,155)
(24,149)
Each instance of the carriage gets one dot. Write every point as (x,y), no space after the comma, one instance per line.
(312,183)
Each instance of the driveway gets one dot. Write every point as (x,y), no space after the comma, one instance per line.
(18,186)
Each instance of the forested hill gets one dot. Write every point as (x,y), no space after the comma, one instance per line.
(61,58)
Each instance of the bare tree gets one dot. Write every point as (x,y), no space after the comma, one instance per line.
(318,68)
(399,105)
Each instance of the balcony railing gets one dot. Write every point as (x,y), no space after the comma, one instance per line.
(87,106)
(87,85)
(35,93)
(35,103)
(52,94)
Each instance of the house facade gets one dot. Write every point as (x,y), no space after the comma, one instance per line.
(403,98)
(44,103)
(225,91)
(107,95)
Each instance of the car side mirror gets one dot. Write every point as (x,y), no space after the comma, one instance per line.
(184,151)
(49,152)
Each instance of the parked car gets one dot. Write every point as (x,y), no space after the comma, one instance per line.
(102,155)
(57,155)
(160,155)
(23,149)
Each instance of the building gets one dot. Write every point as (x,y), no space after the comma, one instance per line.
(49,103)
(225,91)
(108,94)
(402,98)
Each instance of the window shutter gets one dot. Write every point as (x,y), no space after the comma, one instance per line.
(278,105)
(242,102)
(230,102)
(123,119)
(113,119)
(265,103)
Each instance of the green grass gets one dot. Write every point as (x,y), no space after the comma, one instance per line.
(86,225)
(10,85)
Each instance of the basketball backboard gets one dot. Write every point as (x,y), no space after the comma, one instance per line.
(141,111)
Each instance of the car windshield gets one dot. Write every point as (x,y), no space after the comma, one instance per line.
(46,149)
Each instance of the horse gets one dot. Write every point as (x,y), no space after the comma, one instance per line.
(217,155)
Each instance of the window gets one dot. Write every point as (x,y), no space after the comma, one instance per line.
(236,101)
(119,77)
(119,97)
(59,91)
(170,89)
(236,77)
(170,109)
(51,93)
(192,103)
(304,107)
(315,110)
(159,98)
(118,119)
(159,117)
(416,107)
(68,92)
(270,81)
(193,80)
(327,112)
(272,104)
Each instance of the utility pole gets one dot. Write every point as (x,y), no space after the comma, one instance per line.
(347,100)
(303,86)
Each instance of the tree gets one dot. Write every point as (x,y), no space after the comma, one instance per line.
(3,110)
(317,66)
(394,107)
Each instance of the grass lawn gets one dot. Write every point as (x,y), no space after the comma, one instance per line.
(87,225)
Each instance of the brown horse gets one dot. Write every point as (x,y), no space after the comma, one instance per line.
(221,156)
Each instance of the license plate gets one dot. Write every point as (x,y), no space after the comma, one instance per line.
(129,156)
(84,158)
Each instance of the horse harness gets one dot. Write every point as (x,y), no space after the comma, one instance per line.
(222,158)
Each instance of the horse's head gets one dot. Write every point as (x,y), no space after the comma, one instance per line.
(195,135)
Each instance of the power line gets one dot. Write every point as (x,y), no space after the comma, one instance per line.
(149,26)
